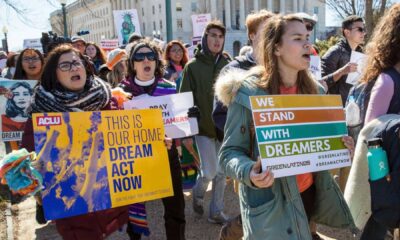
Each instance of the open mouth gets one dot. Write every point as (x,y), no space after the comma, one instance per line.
(307,56)
(21,102)
(147,69)
(76,78)
(32,67)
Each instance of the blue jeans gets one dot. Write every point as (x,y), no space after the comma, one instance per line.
(210,171)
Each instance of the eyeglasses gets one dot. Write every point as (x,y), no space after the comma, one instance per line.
(360,29)
(309,27)
(31,59)
(139,57)
(176,50)
(67,66)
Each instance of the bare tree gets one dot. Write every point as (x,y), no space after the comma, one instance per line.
(57,25)
(371,10)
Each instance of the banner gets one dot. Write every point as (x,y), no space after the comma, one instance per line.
(174,111)
(33,43)
(126,22)
(360,59)
(93,161)
(199,23)
(300,133)
(15,99)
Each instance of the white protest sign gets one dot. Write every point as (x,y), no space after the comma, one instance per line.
(360,59)
(174,110)
(315,67)
(126,22)
(109,44)
(199,23)
(33,43)
(191,51)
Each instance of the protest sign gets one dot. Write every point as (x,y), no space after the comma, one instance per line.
(360,59)
(300,133)
(15,99)
(93,161)
(315,67)
(200,22)
(174,110)
(126,23)
(109,44)
(33,43)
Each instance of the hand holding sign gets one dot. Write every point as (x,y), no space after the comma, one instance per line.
(261,179)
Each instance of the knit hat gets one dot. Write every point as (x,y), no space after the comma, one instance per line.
(114,57)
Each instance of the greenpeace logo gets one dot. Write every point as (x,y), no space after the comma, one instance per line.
(48,120)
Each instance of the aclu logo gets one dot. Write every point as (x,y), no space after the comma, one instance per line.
(48,120)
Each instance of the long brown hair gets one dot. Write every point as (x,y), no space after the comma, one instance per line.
(19,69)
(383,50)
(99,52)
(270,38)
(185,57)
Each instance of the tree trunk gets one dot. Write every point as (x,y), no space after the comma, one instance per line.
(369,18)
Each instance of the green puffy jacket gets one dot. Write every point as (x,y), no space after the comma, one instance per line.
(277,212)
(199,76)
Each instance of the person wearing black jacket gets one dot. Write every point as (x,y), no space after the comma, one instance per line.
(335,64)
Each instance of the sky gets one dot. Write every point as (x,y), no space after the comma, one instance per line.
(39,13)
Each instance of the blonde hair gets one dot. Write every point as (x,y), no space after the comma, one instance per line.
(270,78)
(115,76)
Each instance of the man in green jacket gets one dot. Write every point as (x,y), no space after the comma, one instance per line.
(199,76)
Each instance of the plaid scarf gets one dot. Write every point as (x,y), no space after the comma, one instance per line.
(95,96)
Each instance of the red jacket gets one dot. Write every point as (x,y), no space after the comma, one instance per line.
(95,225)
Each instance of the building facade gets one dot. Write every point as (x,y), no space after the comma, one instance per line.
(96,16)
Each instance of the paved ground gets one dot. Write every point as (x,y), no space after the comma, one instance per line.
(197,228)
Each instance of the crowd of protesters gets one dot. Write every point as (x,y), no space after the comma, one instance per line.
(275,62)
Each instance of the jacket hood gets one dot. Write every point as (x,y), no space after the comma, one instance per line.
(229,83)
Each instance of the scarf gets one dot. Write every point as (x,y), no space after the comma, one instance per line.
(95,96)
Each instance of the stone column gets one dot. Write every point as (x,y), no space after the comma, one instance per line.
(269,6)
(295,7)
(255,5)
(242,15)
(282,5)
(213,9)
(228,20)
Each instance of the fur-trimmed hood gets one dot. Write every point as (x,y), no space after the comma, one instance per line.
(229,83)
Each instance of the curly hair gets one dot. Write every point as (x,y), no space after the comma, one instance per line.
(160,66)
(271,36)
(12,110)
(383,50)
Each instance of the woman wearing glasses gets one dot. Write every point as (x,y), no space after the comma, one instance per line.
(176,56)
(29,65)
(65,86)
(145,76)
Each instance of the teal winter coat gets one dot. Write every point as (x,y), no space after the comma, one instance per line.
(277,212)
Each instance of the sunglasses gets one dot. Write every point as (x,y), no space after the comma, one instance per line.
(360,29)
(309,27)
(139,57)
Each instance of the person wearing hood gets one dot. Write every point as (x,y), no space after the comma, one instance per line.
(254,24)
(198,77)
(276,208)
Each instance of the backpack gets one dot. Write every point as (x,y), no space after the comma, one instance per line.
(385,192)
(361,93)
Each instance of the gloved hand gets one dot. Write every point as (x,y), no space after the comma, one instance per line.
(194,112)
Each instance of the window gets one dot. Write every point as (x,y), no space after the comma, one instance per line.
(160,24)
(154,26)
(142,12)
(154,9)
(179,7)
(194,6)
(144,28)
(159,8)
(179,23)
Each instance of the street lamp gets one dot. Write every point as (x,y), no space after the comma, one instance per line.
(5,31)
(63,3)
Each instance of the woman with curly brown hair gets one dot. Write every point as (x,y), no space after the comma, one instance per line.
(177,57)
(383,71)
